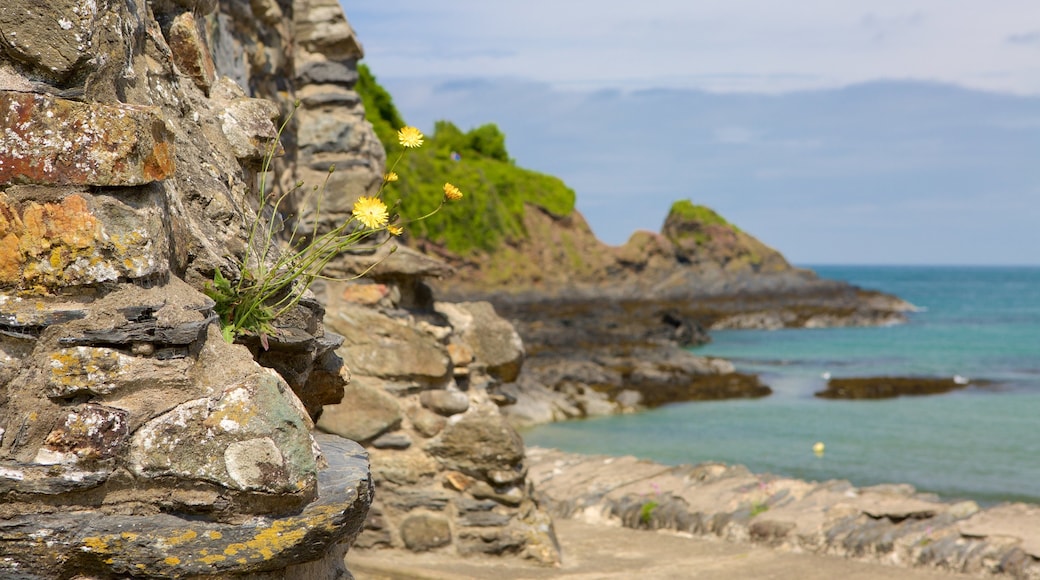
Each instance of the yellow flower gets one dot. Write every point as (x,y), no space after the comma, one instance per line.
(371,212)
(451,192)
(395,230)
(409,137)
(389,177)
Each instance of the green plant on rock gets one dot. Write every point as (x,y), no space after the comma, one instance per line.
(477,161)
(272,280)
(647,512)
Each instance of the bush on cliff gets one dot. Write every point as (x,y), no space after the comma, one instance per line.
(478,163)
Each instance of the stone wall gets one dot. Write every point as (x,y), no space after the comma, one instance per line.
(133,439)
(449,471)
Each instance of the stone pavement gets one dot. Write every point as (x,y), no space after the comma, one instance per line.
(600,551)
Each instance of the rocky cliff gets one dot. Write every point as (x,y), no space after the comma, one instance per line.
(699,264)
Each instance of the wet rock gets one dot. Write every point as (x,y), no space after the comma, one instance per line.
(54,141)
(888,387)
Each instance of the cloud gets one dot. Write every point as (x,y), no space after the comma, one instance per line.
(1028,38)
(818,174)
(713,45)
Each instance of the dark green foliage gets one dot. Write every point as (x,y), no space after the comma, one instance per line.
(495,189)
(379,108)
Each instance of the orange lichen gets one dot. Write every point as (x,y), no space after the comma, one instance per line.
(40,241)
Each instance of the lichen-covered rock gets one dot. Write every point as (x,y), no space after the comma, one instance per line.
(249,437)
(54,141)
(132,436)
(168,546)
(53,40)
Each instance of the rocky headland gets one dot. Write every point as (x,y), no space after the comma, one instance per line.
(606,327)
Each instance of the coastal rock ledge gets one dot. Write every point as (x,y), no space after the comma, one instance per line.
(889,524)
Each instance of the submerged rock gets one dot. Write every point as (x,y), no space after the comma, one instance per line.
(889,387)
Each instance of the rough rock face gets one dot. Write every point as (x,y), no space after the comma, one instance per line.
(450,470)
(423,372)
(890,524)
(699,266)
(132,437)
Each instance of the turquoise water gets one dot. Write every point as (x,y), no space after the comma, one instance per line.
(981,443)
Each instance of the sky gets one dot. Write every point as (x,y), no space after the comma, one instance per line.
(836,131)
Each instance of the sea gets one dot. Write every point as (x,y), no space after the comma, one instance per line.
(980,443)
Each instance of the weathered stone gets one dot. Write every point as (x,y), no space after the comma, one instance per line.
(492,339)
(75,241)
(512,495)
(328,73)
(492,541)
(479,443)
(164,545)
(196,440)
(330,98)
(1015,520)
(322,27)
(426,422)
(461,354)
(406,467)
(422,532)
(377,345)
(54,141)
(445,402)
(365,412)
(392,441)
(458,481)
(367,294)
(52,40)
(248,125)
(88,432)
(190,52)
(484,519)
(409,499)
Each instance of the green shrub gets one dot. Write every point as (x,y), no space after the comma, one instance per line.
(476,161)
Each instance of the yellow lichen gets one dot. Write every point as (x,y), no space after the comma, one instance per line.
(96,543)
(187,536)
(212,559)
(213,535)
(172,560)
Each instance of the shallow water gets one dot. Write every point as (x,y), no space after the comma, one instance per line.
(978,443)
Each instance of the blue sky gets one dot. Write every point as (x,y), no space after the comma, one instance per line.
(895,132)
